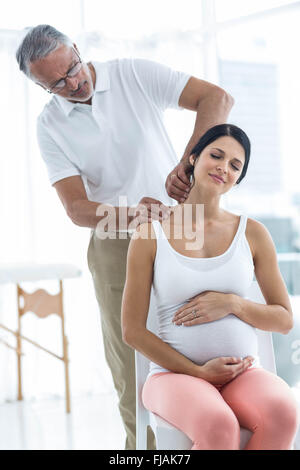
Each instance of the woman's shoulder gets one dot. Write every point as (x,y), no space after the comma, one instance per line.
(143,239)
(256,228)
(258,236)
(144,231)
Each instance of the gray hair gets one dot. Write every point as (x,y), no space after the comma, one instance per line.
(37,44)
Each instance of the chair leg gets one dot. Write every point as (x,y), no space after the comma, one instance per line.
(66,363)
(141,429)
(20,395)
(65,349)
(19,345)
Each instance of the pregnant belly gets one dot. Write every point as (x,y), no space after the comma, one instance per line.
(228,336)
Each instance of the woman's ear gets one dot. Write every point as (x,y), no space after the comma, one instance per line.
(191,159)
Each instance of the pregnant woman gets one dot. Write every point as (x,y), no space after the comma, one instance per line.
(205,377)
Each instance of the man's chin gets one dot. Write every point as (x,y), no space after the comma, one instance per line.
(85,93)
(81,99)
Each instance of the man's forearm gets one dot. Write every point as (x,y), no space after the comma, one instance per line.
(264,317)
(212,110)
(91,214)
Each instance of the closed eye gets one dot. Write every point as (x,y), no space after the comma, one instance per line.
(233,166)
(71,72)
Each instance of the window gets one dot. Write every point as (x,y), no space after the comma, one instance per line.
(261,73)
(134,19)
(64,15)
(229,9)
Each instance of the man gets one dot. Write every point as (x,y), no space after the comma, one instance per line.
(102,137)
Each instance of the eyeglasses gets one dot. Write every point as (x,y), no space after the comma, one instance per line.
(71,73)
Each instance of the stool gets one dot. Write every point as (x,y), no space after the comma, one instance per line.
(42,304)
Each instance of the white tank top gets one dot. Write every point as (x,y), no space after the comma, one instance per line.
(177,278)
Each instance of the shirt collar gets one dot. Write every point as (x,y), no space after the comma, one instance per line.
(102,84)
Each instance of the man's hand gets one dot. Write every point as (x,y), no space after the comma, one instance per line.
(149,209)
(178,182)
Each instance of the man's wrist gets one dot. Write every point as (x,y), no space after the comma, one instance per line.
(185,157)
(191,144)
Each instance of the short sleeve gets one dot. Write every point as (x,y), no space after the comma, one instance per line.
(162,84)
(57,163)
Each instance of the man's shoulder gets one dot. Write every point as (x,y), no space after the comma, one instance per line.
(124,63)
(52,108)
(120,70)
(49,107)
(51,111)
(113,64)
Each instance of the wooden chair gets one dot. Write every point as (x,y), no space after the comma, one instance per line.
(42,304)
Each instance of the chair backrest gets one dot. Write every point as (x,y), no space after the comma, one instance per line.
(265,350)
(265,342)
(142,365)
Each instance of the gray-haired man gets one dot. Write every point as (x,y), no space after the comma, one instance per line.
(102,137)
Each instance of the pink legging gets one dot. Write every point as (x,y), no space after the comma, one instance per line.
(211,415)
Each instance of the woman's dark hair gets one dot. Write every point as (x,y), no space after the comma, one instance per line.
(219,131)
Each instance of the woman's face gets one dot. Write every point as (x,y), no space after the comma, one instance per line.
(224,158)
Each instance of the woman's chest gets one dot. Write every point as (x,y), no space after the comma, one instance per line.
(210,245)
(207,242)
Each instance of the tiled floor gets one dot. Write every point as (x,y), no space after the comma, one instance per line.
(94,423)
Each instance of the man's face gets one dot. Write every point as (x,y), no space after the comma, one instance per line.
(55,66)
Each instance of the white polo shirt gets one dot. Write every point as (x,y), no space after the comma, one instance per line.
(119,144)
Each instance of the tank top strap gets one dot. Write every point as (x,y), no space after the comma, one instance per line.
(159,233)
(162,252)
(240,234)
(243,225)
(243,244)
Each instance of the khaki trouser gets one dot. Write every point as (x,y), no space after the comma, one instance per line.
(107,263)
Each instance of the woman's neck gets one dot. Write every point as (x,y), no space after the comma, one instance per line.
(198,201)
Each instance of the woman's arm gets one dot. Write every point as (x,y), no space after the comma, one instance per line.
(277,315)
(135,305)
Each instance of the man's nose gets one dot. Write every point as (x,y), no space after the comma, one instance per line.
(72,82)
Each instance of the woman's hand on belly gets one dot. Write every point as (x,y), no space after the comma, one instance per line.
(222,370)
(203,308)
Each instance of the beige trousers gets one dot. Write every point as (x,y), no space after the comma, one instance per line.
(107,264)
